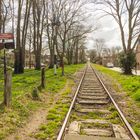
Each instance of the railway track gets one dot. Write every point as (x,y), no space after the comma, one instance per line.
(93,114)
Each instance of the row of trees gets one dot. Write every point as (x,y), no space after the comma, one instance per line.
(126,13)
(35,23)
(102,52)
(60,24)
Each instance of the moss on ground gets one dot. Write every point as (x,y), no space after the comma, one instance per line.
(23,104)
(54,117)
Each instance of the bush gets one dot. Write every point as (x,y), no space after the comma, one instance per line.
(127,61)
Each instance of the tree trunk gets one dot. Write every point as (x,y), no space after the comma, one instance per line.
(38,61)
(76,55)
(51,65)
(19,63)
(128,66)
(127,70)
(71,55)
(62,65)
(43,77)
(68,56)
(128,61)
(30,59)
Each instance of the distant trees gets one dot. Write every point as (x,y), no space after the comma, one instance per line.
(92,55)
(99,46)
(96,53)
(23,14)
(126,13)
(102,54)
(58,24)
(4,14)
(38,10)
(65,30)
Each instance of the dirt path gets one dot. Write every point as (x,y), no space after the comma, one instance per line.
(31,126)
(39,117)
(35,120)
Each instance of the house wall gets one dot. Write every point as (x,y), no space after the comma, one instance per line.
(106,60)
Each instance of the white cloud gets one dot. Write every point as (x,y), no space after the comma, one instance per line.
(108,30)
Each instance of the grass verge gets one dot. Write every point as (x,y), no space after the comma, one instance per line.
(129,84)
(22,103)
(55,117)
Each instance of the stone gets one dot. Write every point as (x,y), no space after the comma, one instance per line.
(120,132)
(74,128)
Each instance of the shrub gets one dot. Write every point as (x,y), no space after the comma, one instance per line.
(127,61)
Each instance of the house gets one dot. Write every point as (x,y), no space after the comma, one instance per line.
(45,59)
(106,59)
(29,59)
(138,56)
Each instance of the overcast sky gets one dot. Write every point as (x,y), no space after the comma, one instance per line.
(107,29)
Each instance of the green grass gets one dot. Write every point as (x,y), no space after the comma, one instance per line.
(54,118)
(130,84)
(22,83)
(22,103)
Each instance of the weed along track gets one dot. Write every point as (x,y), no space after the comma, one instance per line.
(93,114)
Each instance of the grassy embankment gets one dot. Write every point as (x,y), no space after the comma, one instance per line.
(22,103)
(129,84)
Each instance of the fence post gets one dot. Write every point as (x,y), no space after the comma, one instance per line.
(8,88)
(43,77)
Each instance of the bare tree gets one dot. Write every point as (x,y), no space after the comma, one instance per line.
(127,15)
(92,55)
(69,14)
(21,36)
(99,46)
(38,9)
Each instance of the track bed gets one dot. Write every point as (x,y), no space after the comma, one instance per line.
(93,115)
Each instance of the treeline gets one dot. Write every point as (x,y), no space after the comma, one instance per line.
(58,25)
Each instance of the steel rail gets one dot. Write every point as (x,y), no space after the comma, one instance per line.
(117,107)
(60,135)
